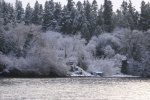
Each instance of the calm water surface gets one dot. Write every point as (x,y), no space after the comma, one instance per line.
(75,89)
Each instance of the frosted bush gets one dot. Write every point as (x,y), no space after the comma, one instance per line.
(108,39)
(91,46)
(108,66)
(32,50)
(109,52)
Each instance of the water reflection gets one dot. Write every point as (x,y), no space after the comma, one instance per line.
(75,89)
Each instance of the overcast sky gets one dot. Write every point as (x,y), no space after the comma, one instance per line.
(116,3)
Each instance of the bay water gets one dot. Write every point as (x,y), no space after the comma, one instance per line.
(87,88)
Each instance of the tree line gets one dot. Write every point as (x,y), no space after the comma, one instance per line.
(86,18)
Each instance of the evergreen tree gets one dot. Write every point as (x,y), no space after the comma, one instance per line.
(48,14)
(123,16)
(120,22)
(1,14)
(77,23)
(98,30)
(19,11)
(79,6)
(57,16)
(133,16)
(5,12)
(94,13)
(87,10)
(41,14)
(68,18)
(100,19)
(36,16)
(58,11)
(85,29)
(145,16)
(107,14)
(70,5)
(127,17)
(94,6)
(28,14)
(52,9)
(11,13)
(88,20)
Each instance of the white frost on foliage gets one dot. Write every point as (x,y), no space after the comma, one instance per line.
(108,66)
(109,51)
(51,50)
(109,39)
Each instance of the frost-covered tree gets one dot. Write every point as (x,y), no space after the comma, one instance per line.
(41,14)
(98,30)
(37,14)
(11,13)
(122,15)
(64,22)
(87,20)
(100,19)
(28,14)
(7,15)
(121,20)
(67,20)
(57,16)
(85,28)
(77,23)
(133,17)
(87,10)
(70,5)
(93,17)
(145,16)
(4,12)
(48,14)
(26,48)
(127,16)
(107,15)
(19,11)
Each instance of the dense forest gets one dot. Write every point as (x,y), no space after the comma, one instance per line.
(42,39)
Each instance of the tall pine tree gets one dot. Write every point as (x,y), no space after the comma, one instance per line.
(145,16)
(28,14)
(36,16)
(48,15)
(68,18)
(107,15)
(19,11)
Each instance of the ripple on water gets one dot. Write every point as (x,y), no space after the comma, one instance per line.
(75,89)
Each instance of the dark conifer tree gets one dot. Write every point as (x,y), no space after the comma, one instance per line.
(87,10)
(85,29)
(145,16)
(100,19)
(67,20)
(36,14)
(94,13)
(107,15)
(48,15)
(133,16)
(19,11)
(87,19)
(70,5)
(57,16)
(5,12)
(77,23)
(28,14)
(41,14)
(11,13)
